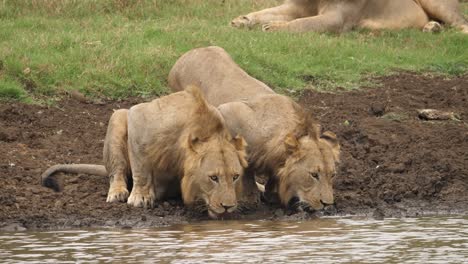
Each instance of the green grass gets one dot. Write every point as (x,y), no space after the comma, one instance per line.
(11,89)
(121,48)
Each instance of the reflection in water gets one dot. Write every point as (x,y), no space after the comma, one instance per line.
(328,240)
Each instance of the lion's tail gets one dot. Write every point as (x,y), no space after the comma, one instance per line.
(48,179)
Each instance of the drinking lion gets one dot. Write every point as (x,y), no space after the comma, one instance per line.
(175,145)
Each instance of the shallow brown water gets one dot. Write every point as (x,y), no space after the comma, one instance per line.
(329,240)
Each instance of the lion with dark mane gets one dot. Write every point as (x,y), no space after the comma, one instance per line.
(344,15)
(284,143)
(175,145)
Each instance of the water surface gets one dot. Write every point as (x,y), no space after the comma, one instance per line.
(326,240)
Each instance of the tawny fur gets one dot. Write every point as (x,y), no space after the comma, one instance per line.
(344,15)
(284,142)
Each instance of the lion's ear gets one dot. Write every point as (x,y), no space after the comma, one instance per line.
(241,145)
(332,140)
(291,143)
(192,142)
(314,130)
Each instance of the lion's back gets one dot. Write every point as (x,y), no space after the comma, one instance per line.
(159,118)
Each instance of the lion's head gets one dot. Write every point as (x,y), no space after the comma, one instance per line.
(214,161)
(307,175)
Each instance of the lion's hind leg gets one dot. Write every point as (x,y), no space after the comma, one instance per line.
(447,11)
(116,156)
(329,22)
(432,27)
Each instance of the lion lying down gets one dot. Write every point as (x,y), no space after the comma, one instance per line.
(284,144)
(344,15)
(177,144)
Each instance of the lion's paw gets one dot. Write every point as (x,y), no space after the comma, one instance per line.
(274,26)
(270,198)
(242,21)
(142,198)
(117,193)
(432,27)
(249,202)
(464,29)
(250,194)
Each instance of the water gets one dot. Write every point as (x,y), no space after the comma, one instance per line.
(327,240)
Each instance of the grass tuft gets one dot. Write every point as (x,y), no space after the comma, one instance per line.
(10,89)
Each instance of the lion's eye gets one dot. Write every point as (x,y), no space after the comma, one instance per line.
(315,175)
(214,178)
(235,177)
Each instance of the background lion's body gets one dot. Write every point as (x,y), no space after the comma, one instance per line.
(343,15)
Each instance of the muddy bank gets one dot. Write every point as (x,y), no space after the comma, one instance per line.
(393,163)
(391,158)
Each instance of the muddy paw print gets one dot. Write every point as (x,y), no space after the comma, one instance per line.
(242,21)
(274,26)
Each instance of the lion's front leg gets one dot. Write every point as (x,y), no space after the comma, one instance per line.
(143,191)
(246,21)
(249,196)
(285,12)
(271,195)
(330,22)
(116,156)
(275,26)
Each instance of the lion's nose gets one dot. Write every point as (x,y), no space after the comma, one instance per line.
(328,208)
(325,203)
(227,206)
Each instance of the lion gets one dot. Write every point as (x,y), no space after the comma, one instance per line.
(177,145)
(284,144)
(343,15)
